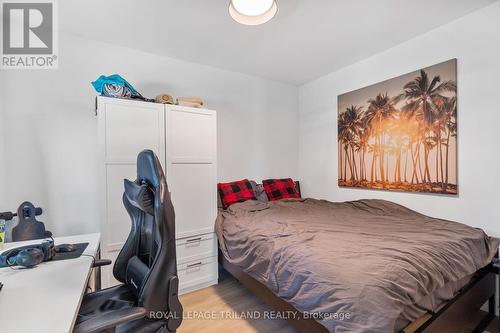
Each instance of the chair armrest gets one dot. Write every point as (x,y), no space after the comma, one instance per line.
(101,262)
(109,320)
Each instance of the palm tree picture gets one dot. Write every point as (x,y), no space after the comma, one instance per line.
(401,134)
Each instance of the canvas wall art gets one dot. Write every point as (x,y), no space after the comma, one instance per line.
(401,134)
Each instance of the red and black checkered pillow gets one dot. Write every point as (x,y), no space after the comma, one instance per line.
(234,192)
(277,189)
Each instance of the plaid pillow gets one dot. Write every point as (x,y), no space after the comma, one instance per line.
(234,192)
(277,189)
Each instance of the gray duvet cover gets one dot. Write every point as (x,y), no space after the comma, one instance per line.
(355,266)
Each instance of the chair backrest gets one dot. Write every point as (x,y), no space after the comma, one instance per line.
(147,262)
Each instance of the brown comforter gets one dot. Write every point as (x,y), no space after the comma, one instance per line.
(356,265)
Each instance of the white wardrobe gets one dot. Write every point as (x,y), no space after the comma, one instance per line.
(185,141)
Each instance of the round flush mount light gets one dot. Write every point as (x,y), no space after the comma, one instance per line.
(252,12)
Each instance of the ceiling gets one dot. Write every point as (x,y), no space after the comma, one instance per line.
(306,39)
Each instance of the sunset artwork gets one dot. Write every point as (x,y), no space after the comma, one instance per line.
(401,134)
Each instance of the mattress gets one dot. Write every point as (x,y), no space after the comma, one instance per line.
(361,266)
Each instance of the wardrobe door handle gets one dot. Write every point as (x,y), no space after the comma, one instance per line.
(194,265)
(192,240)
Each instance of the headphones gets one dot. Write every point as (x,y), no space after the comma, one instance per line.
(28,256)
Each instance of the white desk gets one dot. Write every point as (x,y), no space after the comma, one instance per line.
(45,299)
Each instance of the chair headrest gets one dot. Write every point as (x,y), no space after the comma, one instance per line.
(148,169)
(140,196)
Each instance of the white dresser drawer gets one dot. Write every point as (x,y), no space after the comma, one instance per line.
(196,247)
(197,274)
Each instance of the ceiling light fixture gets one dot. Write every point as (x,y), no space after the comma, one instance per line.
(252,12)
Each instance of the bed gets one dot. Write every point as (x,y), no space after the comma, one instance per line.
(362,266)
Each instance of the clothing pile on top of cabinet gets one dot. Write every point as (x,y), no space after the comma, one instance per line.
(116,86)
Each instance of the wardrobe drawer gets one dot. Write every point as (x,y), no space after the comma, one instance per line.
(197,274)
(196,247)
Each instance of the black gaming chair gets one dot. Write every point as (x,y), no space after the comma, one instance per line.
(147,300)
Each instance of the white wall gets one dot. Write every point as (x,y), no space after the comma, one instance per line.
(51,137)
(2,145)
(473,40)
